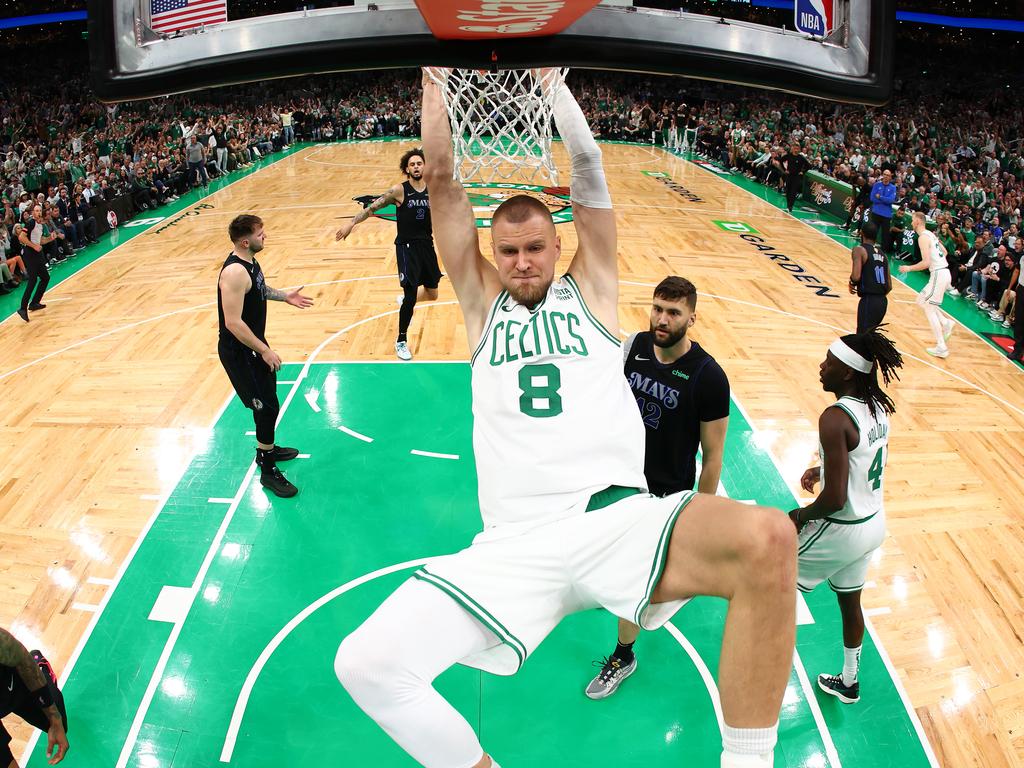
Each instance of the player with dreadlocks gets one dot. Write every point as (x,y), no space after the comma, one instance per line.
(841,529)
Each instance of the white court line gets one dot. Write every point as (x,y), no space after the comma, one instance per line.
(165,655)
(819,718)
(99,580)
(702,670)
(280,383)
(432,455)
(882,610)
(140,715)
(254,672)
(150,497)
(88,607)
(893,675)
(219,500)
(921,735)
(250,433)
(310,398)
(77,653)
(303,456)
(357,435)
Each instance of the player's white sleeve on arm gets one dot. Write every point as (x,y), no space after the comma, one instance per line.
(589,187)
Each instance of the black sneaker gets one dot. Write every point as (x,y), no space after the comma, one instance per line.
(273,480)
(23,314)
(43,665)
(280,453)
(612,673)
(833,685)
(36,306)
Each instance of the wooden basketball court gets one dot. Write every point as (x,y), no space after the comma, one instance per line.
(113,390)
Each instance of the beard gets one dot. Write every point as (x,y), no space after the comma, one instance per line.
(255,246)
(669,341)
(528,295)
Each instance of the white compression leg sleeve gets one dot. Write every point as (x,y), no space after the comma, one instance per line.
(589,187)
(934,316)
(389,663)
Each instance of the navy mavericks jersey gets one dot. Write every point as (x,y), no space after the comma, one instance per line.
(673,399)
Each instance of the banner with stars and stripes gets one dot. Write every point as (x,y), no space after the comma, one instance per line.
(175,15)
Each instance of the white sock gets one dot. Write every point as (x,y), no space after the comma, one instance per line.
(748,747)
(851,664)
(730,760)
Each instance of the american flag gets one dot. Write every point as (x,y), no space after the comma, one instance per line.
(173,15)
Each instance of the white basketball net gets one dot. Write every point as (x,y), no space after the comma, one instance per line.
(501,122)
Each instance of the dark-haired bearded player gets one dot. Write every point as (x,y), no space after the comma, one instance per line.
(418,273)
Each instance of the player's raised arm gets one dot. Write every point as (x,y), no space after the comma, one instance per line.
(394,196)
(474,279)
(595,265)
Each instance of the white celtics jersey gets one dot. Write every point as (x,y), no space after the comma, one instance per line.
(938,255)
(554,420)
(867,460)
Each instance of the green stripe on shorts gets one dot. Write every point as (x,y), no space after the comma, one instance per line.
(476,610)
(661,555)
(807,544)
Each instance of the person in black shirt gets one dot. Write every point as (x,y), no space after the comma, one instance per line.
(796,166)
(870,279)
(683,396)
(28,688)
(34,237)
(250,363)
(418,273)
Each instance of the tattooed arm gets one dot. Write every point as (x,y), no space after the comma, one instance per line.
(13,654)
(394,196)
(295,298)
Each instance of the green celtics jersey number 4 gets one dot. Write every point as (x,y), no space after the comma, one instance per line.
(867,461)
(554,420)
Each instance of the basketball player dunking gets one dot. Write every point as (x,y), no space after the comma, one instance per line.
(250,363)
(568,524)
(841,529)
(418,273)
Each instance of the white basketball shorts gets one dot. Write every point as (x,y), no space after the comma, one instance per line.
(838,551)
(521,587)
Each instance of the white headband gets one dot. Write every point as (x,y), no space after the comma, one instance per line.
(842,351)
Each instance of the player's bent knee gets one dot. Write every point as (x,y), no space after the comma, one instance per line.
(768,547)
(359,667)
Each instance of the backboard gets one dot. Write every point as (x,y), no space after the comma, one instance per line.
(130,59)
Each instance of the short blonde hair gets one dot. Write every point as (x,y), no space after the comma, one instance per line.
(919,216)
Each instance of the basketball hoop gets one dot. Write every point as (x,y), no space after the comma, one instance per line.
(501,122)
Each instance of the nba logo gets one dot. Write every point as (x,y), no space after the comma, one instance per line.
(814,17)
